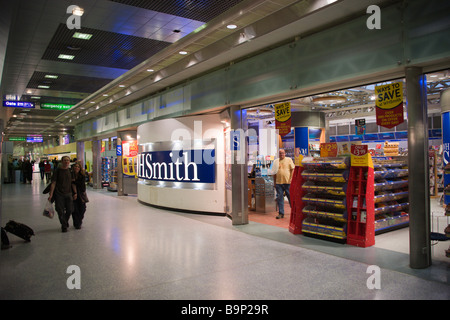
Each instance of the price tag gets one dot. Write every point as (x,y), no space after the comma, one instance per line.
(360,156)
(328,149)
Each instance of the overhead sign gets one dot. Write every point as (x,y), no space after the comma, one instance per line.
(18,104)
(16,139)
(179,166)
(389,104)
(35,138)
(56,106)
(283,118)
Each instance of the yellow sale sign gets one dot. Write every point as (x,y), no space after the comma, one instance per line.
(389,104)
(283,118)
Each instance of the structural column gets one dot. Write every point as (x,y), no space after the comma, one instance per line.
(419,191)
(80,153)
(96,164)
(239,179)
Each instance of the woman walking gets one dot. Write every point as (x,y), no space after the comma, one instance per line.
(79,202)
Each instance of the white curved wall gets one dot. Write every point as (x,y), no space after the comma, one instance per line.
(205,197)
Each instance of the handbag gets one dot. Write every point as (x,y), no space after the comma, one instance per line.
(49,211)
(84,197)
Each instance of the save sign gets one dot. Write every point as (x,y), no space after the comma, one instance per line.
(283,118)
(389,104)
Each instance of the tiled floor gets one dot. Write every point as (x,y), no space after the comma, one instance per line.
(127,250)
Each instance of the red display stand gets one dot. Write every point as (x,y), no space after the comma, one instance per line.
(360,199)
(297,193)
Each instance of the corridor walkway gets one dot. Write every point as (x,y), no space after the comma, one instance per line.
(127,250)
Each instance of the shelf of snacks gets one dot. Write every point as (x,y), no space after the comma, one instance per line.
(391,194)
(325,185)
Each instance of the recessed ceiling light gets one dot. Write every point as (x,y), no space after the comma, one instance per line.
(66,56)
(122,85)
(150,70)
(51,76)
(83,36)
(77,11)
(43,87)
(105,95)
(34,97)
(231,26)
(183,52)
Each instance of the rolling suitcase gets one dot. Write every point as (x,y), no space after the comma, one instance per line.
(19,229)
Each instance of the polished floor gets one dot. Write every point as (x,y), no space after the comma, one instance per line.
(127,250)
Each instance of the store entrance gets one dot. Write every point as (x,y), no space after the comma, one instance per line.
(351,118)
(263,145)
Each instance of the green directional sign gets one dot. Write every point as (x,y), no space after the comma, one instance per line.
(56,106)
(16,138)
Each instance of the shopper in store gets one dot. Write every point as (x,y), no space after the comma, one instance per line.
(79,202)
(284,168)
(63,192)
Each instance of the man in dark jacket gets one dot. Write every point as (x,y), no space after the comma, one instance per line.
(61,190)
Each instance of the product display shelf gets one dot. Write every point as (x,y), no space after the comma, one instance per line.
(360,203)
(391,203)
(325,185)
(297,193)
(105,167)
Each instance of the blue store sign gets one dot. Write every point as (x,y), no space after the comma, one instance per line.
(197,165)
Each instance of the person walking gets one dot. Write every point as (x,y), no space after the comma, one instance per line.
(42,169)
(47,170)
(63,192)
(284,167)
(79,202)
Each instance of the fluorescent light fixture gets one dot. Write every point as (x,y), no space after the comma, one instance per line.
(231,26)
(183,52)
(122,85)
(150,70)
(83,36)
(43,87)
(66,56)
(51,76)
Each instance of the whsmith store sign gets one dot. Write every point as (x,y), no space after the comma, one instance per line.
(196,165)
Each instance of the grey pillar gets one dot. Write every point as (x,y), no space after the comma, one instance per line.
(80,153)
(419,191)
(239,179)
(96,164)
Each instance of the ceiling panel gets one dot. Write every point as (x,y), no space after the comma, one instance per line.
(202,10)
(64,82)
(107,49)
(124,34)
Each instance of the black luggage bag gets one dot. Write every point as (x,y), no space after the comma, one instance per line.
(19,229)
